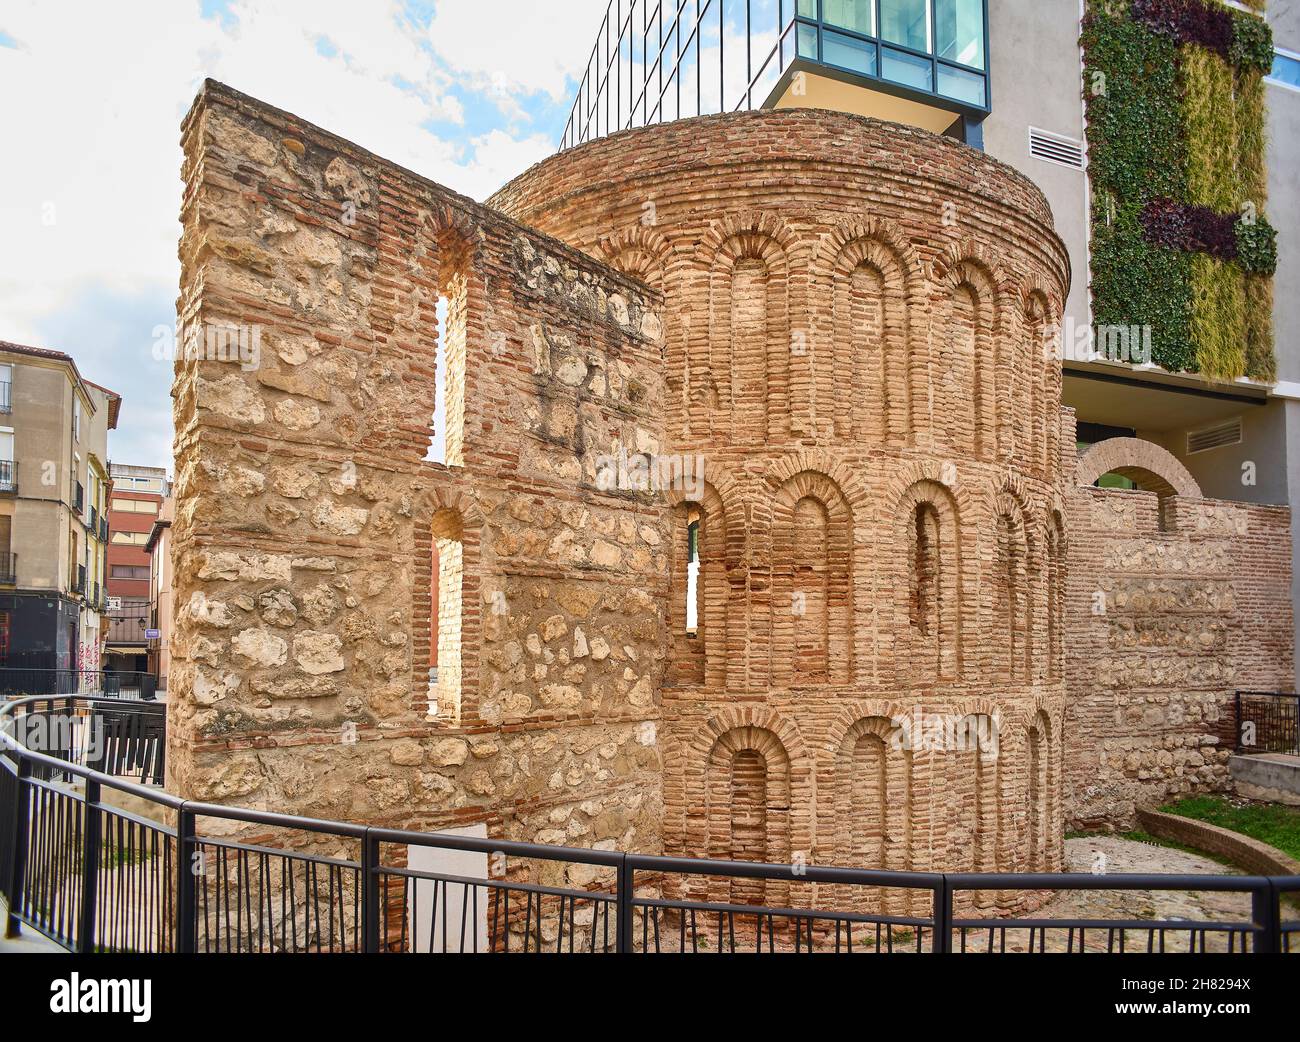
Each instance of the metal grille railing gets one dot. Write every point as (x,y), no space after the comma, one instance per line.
(80,869)
(1267,722)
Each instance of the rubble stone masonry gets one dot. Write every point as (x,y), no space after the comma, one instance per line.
(307,515)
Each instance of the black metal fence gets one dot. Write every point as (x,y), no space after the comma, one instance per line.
(1267,722)
(99,863)
(19,682)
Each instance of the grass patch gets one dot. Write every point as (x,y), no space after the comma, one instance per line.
(1271,823)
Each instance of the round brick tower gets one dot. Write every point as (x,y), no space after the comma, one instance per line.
(858,321)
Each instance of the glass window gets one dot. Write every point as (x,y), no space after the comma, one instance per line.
(906,22)
(856,15)
(808,9)
(961,85)
(807,41)
(906,69)
(848,53)
(1286,70)
(959,31)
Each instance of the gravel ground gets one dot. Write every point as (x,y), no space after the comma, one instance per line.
(1111,854)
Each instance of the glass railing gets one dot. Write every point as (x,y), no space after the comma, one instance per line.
(660,60)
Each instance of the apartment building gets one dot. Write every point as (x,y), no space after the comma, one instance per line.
(54,478)
(137,499)
(1164,135)
(159,548)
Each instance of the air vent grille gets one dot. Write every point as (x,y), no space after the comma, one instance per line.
(1055,148)
(1216,437)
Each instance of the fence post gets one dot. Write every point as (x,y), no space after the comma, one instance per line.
(624,934)
(1236,723)
(369,893)
(18,844)
(187,869)
(1266,914)
(90,855)
(943,917)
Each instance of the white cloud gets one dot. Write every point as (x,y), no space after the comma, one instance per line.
(523,46)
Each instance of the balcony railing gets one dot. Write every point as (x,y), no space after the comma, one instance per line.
(103,529)
(127,624)
(371,889)
(8,568)
(78,497)
(78,584)
(8,475)
(658,62)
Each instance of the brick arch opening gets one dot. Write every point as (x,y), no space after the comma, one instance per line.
(1148,465)
(1039,754)
(871,323)
(700,591)
(748,806)
(873,807)
(1034,382)
(812,548)
(928,584)
(977,810)
(1014,575)
(746,352)
(1056,557)
(964,367)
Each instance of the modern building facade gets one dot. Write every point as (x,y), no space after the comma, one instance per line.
(54,479)
(1190,345)
(138,494)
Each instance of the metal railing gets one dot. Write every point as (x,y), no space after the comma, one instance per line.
(18,681)
(8,568)
(127,624)
(8,475)
(1267,722)
(655,61)
(93,876)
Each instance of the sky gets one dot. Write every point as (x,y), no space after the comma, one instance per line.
(466,92)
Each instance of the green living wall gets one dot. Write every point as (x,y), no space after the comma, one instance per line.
(1175,98)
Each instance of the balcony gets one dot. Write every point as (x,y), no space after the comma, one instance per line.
(93,526)
(78,584)
(103,529)
(8,569)
(920,62)
(78,498)
(8,475)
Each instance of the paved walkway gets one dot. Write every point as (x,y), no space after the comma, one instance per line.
(29,943)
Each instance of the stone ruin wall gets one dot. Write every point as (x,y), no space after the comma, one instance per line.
(853,345)
(855,337)
(1173,603)
(307,514)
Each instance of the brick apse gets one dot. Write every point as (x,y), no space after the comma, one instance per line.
(894,657)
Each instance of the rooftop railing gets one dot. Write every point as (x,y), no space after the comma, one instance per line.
(655,61)
(174,875)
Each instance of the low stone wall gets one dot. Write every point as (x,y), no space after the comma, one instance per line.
(1274,779)
(1242,851)
(1172,604)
